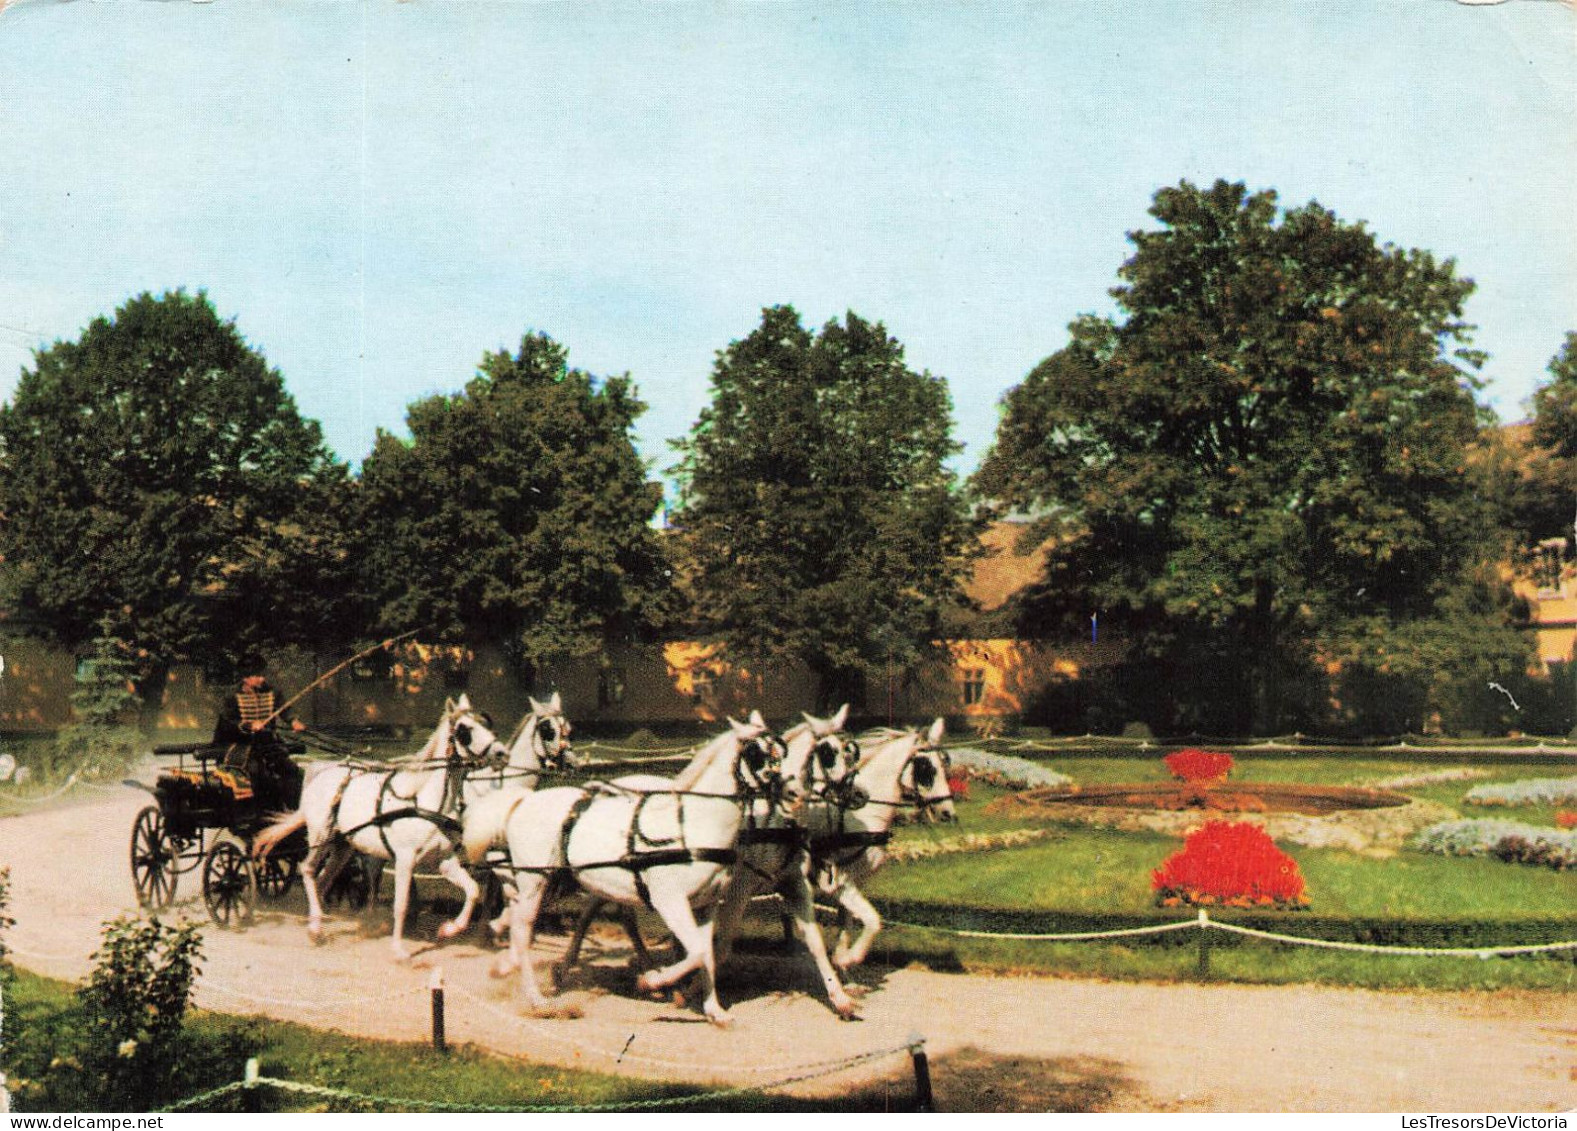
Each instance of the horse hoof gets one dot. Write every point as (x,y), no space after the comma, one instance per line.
(721,1019)
(502,967)
(847,1010)
(449,930)
(547,1011)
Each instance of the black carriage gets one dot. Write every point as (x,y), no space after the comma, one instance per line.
(204,818)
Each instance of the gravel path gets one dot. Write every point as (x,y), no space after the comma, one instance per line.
(995,1043)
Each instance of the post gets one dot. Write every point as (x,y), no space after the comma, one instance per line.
(923,1100)
(1202,964)
(250,1100)
(436,985)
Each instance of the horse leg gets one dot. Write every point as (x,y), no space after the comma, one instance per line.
(563,966)
(632,931)
(800,906)
(309,883)
(524,909)
(870,921)
(696,939)
(455,873)
(498,928)
(404,872)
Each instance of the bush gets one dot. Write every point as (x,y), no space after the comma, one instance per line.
(1197,766)
(1231,864)
(123,1044)
(1511,841)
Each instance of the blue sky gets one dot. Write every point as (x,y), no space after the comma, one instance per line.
(379,191)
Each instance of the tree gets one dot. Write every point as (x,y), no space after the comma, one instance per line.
(816,502)
(518,513)
(1264,460)
(1541,473)
(138,464)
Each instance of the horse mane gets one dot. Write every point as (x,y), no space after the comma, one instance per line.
(875,742)
(433,749)
(702,761)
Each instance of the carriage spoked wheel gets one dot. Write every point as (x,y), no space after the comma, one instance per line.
(229,885)
(155,859)
(275,875)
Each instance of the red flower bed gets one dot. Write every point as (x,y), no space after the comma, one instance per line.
(1566,819)
(1231,864)
(1198,765)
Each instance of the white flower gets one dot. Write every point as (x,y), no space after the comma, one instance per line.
(128,1049)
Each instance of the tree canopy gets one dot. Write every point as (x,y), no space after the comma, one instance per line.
(142,467)
(1264,457)
(822,522)
(518,513)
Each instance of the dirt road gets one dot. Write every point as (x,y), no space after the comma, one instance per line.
(995,1043)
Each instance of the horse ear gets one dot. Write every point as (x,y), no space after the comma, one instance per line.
(463,703)
(555,704)
(449,707)
(536,708)
(735,725)
(757,721)
(934,735)
(841,717)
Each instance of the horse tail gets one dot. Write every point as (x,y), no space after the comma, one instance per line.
(487,819)
(284,824)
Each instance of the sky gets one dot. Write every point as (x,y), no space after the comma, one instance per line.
(379,192)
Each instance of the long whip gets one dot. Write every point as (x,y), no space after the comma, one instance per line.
(334,671)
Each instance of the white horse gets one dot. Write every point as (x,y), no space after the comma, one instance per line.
(672,850)
(541,743)
(848,838)
(406,814)
(773,853)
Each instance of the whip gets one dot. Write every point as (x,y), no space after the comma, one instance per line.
(334,671)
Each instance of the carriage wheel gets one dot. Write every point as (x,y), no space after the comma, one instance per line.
(352,888)
(275,875)
(155,859)
(228,886)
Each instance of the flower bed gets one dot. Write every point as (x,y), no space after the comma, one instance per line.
(1536,791)
(1229,864)
(1198,766)
(1512,841)
(1004,770)
(1432,777)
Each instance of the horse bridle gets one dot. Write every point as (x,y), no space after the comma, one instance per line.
(816,776)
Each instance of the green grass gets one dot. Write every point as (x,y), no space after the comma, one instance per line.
(404,1075)
(1082,879)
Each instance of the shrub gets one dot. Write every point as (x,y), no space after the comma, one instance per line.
(1511,841)
(1197,766)
(1231,864)
(123,1046)
(1536,791)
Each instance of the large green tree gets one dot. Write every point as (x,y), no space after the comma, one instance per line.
(518,513)
(816,503)
(142,468)
(1542,475)
(1263,459)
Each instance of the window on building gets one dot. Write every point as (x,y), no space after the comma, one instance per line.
(974,686)
(610,687)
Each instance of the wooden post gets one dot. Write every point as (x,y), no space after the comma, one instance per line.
(436,985)
(251,1101)
(923,1100)
(1202,963)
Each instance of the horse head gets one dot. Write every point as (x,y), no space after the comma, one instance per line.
(758,760)
(821,756)
(467,735)
(543,741)
(923,781)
